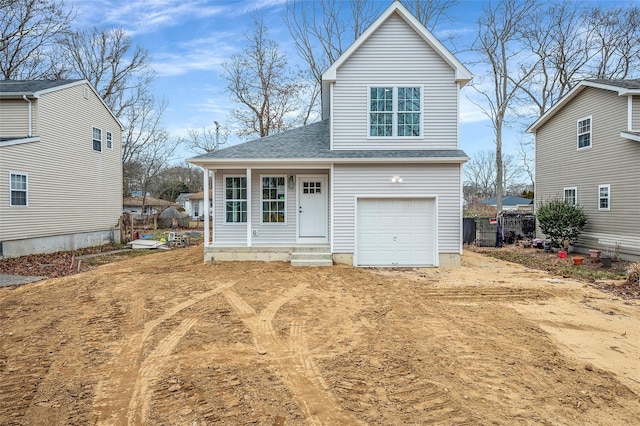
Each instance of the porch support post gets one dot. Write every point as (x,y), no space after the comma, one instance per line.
(206,207)
(249,230)
(211,206)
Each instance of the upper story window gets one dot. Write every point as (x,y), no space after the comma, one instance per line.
(395,112)
(273,199)
(570,196)
(109,137)
(18,189)
(97,139)
(235,199)
(604,197)
(584,133)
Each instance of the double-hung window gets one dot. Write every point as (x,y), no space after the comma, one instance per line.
(109,137)
(604,197)
(584,133)
(274,199)
(570,196)
(395,112)
(97,139)
(18,189)
(235,197)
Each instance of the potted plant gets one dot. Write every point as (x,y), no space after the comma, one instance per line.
(561,222)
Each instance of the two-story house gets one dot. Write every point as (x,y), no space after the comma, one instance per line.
(60,167)
(587,153)
(377,182)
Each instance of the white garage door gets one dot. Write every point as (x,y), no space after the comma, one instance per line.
(396,232)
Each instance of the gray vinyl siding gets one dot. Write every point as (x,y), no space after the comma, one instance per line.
(226,234)
(611,160)
(635,121)
(235,235)
(71,188)
(395,55)
(442,180)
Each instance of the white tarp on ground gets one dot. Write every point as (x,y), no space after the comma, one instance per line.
(148,244)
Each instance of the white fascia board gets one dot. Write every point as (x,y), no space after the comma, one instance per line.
(19,141)
(630,136)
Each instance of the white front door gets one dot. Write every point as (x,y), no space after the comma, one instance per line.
(312,207)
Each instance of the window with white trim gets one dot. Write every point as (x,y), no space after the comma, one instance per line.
(395,112)
(18,187)
(109,137)
(584,133)
(274,196)
(235,199)
(570,196)
(604,197)
(97,139)
(196,208)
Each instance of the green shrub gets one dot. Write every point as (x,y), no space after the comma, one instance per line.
(561,222)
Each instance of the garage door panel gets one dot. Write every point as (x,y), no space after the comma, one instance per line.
(396,232)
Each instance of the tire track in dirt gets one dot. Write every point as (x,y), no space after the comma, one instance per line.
(306,383)
(117,396)
(149,372)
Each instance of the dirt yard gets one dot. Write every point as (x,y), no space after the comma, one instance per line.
(167,339)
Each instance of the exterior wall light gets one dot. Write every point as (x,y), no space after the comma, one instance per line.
(396,179)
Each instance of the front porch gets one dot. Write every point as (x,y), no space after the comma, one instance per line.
(298,255)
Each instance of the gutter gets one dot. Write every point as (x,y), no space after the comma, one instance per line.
(30,115)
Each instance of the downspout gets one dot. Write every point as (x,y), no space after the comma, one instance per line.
(30,123)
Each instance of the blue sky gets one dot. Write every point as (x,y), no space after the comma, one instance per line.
(190,39)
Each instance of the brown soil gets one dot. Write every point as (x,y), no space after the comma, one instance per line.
(168,339)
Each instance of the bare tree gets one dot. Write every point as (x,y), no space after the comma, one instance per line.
(430,13)
(480,174)
(321,32)
(561,43)
(208,139)
(498,46)
(146,145)
(28,31)
(260,80)
(108,59)
(616,39)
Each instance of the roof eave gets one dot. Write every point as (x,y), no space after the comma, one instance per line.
(243,162)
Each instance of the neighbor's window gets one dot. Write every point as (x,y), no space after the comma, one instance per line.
(109,140)
(584,133)
(97,139)
(235,198)
(18,189)
(571,196)
(395,111)
(604,197)
(196,208)
(273,199)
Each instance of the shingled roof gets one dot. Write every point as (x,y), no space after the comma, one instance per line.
(30,87)
(626,84)
(311,142)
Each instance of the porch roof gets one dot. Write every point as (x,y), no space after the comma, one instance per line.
(311,143)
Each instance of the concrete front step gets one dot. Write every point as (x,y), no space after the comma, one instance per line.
(299,258)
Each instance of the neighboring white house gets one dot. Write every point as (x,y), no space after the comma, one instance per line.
(377,182)
(192,203)
(134,205)
(587,153)
(60,167)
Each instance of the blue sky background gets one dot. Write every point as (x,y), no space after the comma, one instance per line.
(190,39)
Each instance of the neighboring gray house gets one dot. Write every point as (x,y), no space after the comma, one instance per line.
(377,182)
(60,167)
(587,152)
